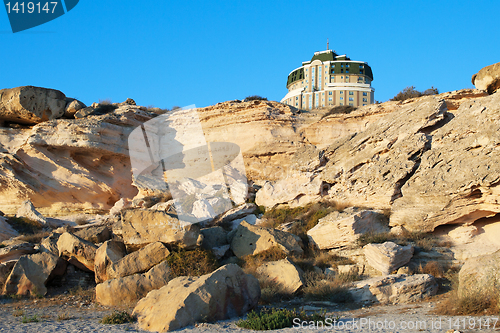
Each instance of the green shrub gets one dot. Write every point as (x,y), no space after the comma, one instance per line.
(196,262)
(273,319)
(117,318)
(28,319)
(255,98)
(411,92)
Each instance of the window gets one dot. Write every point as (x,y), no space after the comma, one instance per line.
(347,70)
(365,100)
(351,92)
(329,93)
(341,98)
(296,97)
(364,104)
(341,103)
(351,99)
(330,99)
(341,77)
(365,94)
(351,104)
(341,92)
(341,71)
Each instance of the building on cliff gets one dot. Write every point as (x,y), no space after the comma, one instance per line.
(329,79)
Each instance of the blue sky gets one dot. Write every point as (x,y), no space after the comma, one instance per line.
(167,53)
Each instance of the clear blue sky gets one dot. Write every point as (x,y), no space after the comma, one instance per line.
(167,53)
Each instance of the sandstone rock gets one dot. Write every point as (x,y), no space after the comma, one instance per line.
(347,269)
(79,252)
(213,237)
(6,230)
(54,161)
(387,256)
(141,227)
(479,274)
(456,181)
(108,253)
(249,239)
(308,158)
(367,169)
(128,290)
(29,211)
(72,106)
(220,251)
(284,273)
(120,205)
(235,213)
(395,289)
(223,294)
(488,78)
(15,251)
(31,274)
(31,105)
(139,261)
(49,244)
(305,187)
(82,113)
(463,234)
(251,219)
(94,234)
(337,230)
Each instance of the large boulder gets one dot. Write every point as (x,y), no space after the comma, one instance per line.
(29,211)
(15,251)
(213,237)
(343,229)
(479,274)
(128,290)
(108,253)
(284,273)
(72,107)
(388,256)
(225,293)
(78,251)
(6,230)
(94,234)
(31,274)
(249,239)
(31,105)
(49,243)
(394,289)
(140,227)
(139,261)
(488,78)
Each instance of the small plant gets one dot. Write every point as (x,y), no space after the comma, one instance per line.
(411,92)
(28,319)
(376,238)
(18,313)
(339,109)
(433,268)
(273,319)
(81,220)
(2,246)
(196,262)
(255,98)
(117,318)
(63,316)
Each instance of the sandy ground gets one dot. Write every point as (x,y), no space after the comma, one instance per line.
(67,313)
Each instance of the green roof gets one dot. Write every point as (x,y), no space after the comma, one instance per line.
(324,56)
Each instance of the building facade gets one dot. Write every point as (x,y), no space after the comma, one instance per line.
(329,79)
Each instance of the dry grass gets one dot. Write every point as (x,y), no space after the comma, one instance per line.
(63,316)
(35,238)
(433,268)
(196,262)
(82,220)
(421,240)
(24,225)
(334,288)
(322,260)
(485,301)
